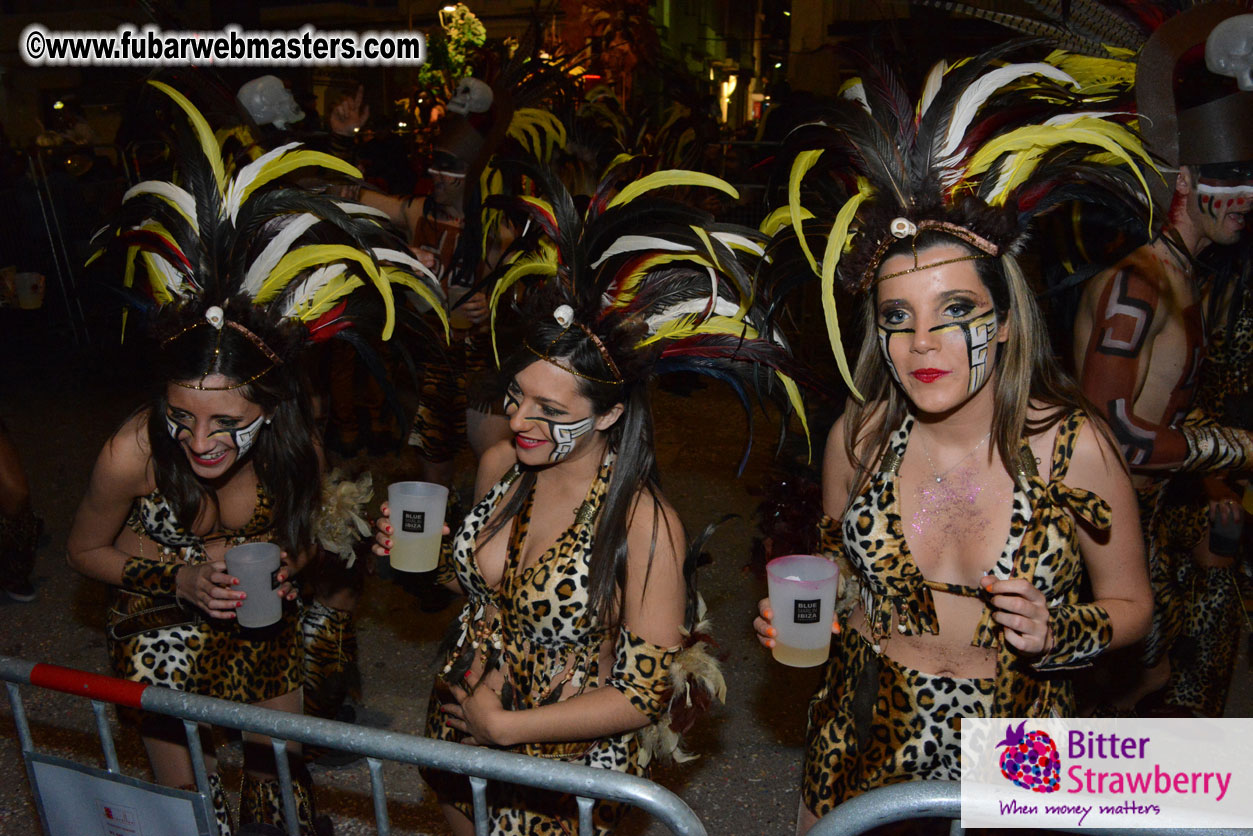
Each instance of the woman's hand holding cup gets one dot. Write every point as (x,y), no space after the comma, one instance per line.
(209,587)
(383,533)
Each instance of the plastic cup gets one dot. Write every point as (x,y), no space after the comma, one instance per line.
(29,288)
(255,565)
(417,515)
(802,595)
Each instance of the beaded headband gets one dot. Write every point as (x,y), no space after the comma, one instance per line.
(902,228)
(215,317)
(564,315)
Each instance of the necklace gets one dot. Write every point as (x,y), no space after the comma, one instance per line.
(939,477)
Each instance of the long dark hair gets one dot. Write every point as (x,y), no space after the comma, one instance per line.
(284,454)
(630,437)
(1026,371)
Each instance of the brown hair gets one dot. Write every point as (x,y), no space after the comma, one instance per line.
(1025,372)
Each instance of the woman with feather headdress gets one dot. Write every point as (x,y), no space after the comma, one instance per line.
(581,638)
(242,272)
(969,489)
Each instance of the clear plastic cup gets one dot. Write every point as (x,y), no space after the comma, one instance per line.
(802,596)
(417,516)
(256,565)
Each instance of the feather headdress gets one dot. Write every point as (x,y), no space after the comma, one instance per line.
(217,242)
(656,285)
(987,146)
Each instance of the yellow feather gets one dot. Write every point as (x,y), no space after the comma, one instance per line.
(326,298)
(403,279)
(629,285)
(805,160)
(208,142)
(794,397)
(692,325)
(618,160)
(671,177)
(291,161)
(318,255)
(1034,140)
(543,264)
(835,248)
(156,279)
(780,218)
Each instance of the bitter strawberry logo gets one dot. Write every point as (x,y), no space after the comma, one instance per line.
(1030,759)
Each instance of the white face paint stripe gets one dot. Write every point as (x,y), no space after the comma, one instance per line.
(1243,190)
(885,335)
(565,434)
(980,334)
(175,428)
(245,437)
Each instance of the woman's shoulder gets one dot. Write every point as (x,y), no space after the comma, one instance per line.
(125,461)
(652,512)
(495,462)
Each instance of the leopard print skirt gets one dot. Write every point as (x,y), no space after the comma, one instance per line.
(875,722)
(159,642)
(515,809)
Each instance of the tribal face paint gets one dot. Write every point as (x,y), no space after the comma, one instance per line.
(562,434)
(1224,195)
(241,437)
(979,333)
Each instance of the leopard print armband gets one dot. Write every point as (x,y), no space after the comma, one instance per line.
(151,577)
(1213,448)
(445,570)
(831,546)
(1081,632)
(641,671)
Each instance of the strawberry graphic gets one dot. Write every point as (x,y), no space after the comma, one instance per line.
(1030,759)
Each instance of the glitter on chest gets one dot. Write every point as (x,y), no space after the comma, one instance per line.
(948,508)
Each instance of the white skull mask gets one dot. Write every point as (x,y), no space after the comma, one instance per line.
(471,96)
(268,102)
(1229,50)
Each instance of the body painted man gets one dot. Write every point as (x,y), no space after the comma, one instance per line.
(1139,338)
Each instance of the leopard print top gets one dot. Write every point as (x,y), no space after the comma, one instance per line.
(152,516)
(537,626)
(1042,545)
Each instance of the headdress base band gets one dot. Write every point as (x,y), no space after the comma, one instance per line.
(902,228)
(546,355)
(274,359)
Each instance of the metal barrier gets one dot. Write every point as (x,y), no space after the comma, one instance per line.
(942,799)
(478,764)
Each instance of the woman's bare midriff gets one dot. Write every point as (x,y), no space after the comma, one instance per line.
(947,653)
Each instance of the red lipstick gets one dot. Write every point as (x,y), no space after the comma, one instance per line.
(528,443)
(928,375)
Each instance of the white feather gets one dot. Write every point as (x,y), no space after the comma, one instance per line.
(856,92)
(181,199)
(361,209)
(173,279)
(723,307)
(398,257)
(974,97)
(308,287)
(274,251)
(932,86)
(235,192)
(638,243)
(730,238)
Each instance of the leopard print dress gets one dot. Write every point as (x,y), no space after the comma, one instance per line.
(160,641)
(537,628)
(875,722)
